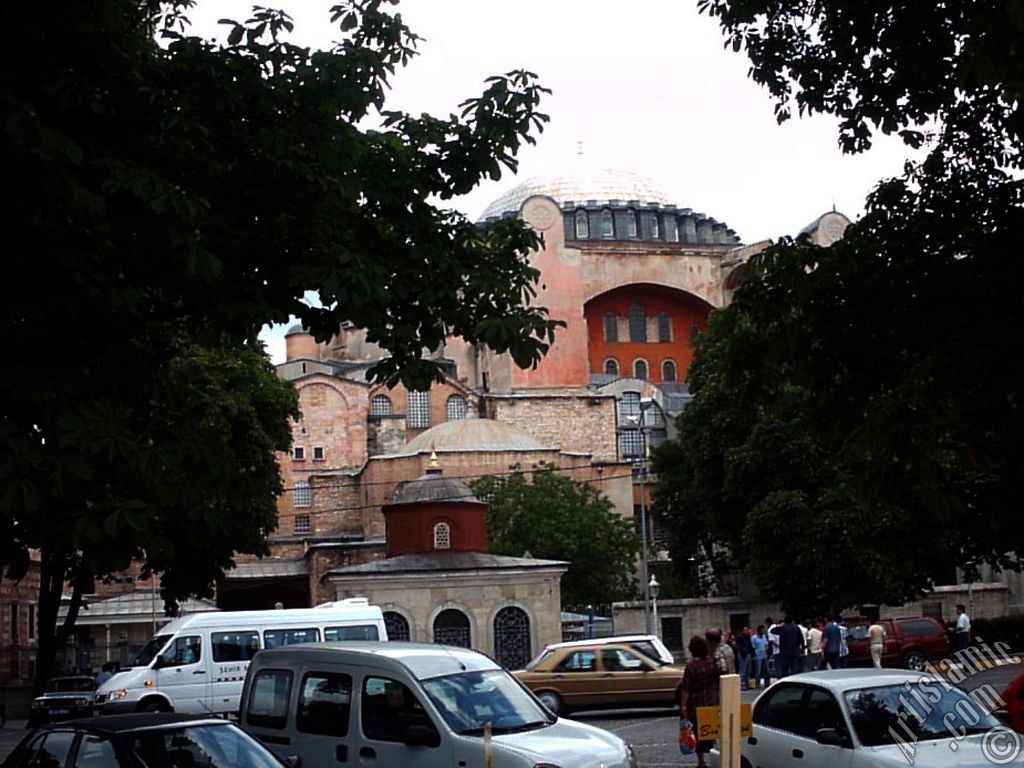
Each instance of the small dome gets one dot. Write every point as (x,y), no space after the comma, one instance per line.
(601,186)
(433,488)
(296,329)
(473,435)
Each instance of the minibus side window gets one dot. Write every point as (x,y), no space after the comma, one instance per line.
(184,650)
(353,632)
(325,703)
(275,638)
(268,698)
(240,645)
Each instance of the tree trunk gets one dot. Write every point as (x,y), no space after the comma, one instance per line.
(54,569)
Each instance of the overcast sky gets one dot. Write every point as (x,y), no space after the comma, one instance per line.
(645,86)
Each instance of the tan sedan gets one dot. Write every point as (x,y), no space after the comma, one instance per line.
(599,677)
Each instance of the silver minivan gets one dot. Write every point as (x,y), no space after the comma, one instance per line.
(413,705)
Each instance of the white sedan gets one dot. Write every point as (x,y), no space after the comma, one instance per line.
(858,718)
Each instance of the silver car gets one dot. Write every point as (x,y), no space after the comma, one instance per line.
(874,717)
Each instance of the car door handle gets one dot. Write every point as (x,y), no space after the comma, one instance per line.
(367,752)
(199,672)
(798,753)
(341,753)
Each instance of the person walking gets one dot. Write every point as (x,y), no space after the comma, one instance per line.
(844,649)
(760,644)
(720,651)
(814,646)
(106,672)
(698,688)
(831,638)
(746,653)
(791,645)
(876,642)
(963,627)
(773,645)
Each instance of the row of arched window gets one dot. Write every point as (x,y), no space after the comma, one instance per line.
(624,225)
(637,325)
(418,401)
(640,369)
(452,627)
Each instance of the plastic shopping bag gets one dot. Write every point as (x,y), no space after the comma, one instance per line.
(687,741)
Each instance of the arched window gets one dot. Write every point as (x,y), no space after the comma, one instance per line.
(380,405)
(668,371)
(419,409)
(456,407)
(637,322)
(640,369)
(655,231)
(671,229)
(607,224)
(451,627)
(303,494)
(582,225)
(694,331)
(629,409)
(611,326)
(630,223)
(512,638)
(442,536)
(611,366)
(664,327)
(396,625)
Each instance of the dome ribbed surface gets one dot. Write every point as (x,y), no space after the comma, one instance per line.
(600,186)
(473,435)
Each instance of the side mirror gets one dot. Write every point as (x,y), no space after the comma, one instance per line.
(293,761)
(831,737)
(160,662)
(422,736)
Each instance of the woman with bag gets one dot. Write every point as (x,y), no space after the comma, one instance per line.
(698,688)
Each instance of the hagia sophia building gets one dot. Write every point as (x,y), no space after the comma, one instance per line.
(634,275)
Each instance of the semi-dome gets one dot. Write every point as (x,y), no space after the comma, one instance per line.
(586,186)
(473,435)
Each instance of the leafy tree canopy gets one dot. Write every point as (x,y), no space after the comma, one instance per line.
(161,203)
(857,412)
(556,518)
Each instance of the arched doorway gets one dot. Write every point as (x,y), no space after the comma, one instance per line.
(397,626)
(512,637)
(451,627)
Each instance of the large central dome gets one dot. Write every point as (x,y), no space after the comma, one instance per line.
(586,186)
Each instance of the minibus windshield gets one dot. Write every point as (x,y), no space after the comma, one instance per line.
(149,651)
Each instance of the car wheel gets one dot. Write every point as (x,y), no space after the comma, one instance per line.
(915,660)
(551,700)
(153,705)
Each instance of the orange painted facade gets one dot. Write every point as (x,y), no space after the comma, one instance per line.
(684,311)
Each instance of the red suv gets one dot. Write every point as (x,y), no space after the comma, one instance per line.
(909,643)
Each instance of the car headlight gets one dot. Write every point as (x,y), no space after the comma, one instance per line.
(631,756)
(37,704)
(118,695)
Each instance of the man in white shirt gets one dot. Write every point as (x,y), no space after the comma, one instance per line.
(963,628)
(814,646)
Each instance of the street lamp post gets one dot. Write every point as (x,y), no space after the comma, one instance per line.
(643,544)
(653,587)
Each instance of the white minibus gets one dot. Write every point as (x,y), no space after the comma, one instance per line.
(197,663)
